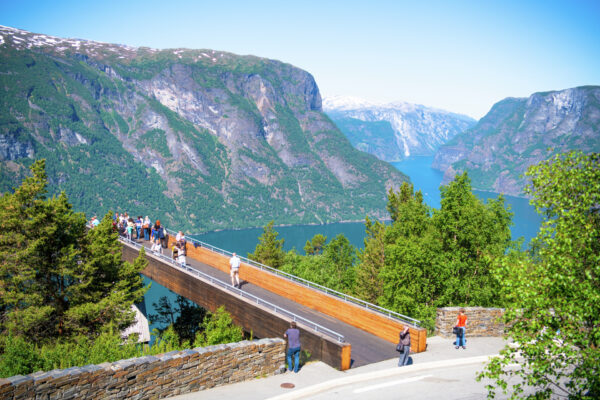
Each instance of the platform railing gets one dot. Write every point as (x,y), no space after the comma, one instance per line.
(345,297)
(255,299)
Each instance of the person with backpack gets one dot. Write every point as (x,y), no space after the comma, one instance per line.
(404,347)
(147,226)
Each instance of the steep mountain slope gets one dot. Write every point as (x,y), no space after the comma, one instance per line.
(394,131)
(200,138)
(519,132)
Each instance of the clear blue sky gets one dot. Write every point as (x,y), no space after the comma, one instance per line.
(461,56)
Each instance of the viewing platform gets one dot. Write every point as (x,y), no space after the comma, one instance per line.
(337,329)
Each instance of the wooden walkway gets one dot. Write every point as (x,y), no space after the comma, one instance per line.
(366,347)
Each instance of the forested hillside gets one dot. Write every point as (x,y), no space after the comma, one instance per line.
(198,138)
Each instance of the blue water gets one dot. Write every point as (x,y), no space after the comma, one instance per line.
(526,221)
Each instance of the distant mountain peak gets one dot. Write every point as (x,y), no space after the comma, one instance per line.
(395,130)
(343,103)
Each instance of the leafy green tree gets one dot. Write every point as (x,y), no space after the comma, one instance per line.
(56,280)
(315,245)
(218,328)
(553,294)
(269,250)
(411,275)
(369,286)
(340,257)
(167,340)
(472,235)
(333,269)
(19,357)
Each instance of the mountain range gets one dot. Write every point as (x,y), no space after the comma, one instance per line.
(202,139)
(519,132)
(394,131)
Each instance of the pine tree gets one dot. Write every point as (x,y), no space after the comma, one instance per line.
(106,285)
(55,279)
(269,250)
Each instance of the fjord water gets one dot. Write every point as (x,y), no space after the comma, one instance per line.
(526,221)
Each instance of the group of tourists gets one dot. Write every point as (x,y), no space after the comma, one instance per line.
(140,228)
(134,228)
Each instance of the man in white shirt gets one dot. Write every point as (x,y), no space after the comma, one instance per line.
(234,262)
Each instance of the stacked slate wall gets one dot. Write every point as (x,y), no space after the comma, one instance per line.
(480,321)
(165,375)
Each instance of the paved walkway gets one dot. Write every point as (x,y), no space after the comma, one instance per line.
(317,377)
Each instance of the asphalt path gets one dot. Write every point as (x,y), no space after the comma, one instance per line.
(448,382)
(366,348)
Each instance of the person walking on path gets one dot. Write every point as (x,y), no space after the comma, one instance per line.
(404,345)
(461,324)
(234,262)
(293,340)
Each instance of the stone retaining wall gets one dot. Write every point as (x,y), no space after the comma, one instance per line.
(480,321)
(165,375)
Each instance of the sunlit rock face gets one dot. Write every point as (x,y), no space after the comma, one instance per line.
(519,132)
(394,131)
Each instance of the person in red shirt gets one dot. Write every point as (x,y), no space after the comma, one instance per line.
(461,324)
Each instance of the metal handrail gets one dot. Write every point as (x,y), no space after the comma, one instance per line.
(189,269)
(347,298)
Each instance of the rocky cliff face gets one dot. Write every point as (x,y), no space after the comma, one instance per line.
(201,138)
(394,131)
(519,132)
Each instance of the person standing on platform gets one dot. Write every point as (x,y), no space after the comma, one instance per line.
(293,340)
(182,244)
(461,324)
(234,262)
(404,346)
(147,226)
(138,227)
